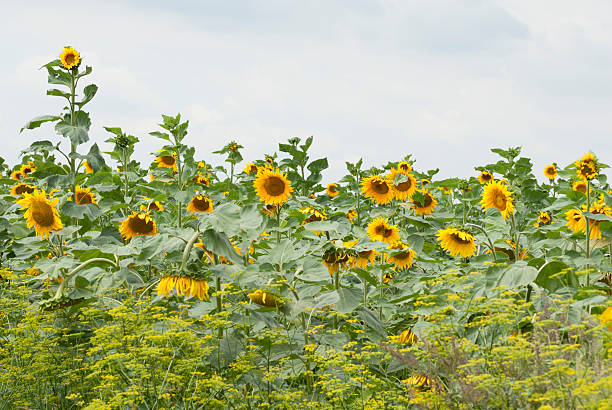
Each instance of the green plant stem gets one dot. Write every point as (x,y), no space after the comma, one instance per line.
(488,239)
(60,290)
(219,303)
(187,249)
(588,229)
(278,213)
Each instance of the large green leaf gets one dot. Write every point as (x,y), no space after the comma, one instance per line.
(37,121)
(79,210)
(512,276)
(219,244)
(78,133)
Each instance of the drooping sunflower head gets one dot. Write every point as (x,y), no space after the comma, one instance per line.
(137,224)
(401,256)
(404,167)
(351,214)
(485,177)
(457,242)
(70,58)
(17,175)
(550,171)
(167,161)
(379,189)
(84,196)
(544,217)
(88,168)
(40,212)
(579,186)
(200,204)
(263,298)
(426,205)
(575,220)
(184,287)
(19,189)
(408,337)
(335,258)
(404,184)
(379,230)
(419,383)
(363,257)
(332,190)
(250,168)
(496,195)
(273,187)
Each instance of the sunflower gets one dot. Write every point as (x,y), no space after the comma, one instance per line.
(457,242)
(575,220)
(496,195)
(137,224)
(167,161)
(314,215)
(200,179)
(269,210)
(587,167)
(19,189)
(273,187)
(41,213)
(84,196)
(379,230)
(153,206)
(419,383)
(600,208)
(263,298)
(606,318)
(202,165)
(250,168)
(335,259)
(88,168)
(544,217)
(387,277)
(27,169)
(428,205)
(351,214)
(362,258)
(550,172)
(200,204)
(485,177)
(332,190)
(184,287)
(270,161)
(579,186)
(402,259)
(379,189)
(404,167)
(405,189)
(70,58)
(17,175)
(208,254)
(408,337)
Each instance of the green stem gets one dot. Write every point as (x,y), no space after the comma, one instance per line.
(187,249)
(278,212)
(488,239)
(60,290)
(219,304)
(588,230)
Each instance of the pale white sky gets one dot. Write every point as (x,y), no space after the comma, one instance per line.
(444,81)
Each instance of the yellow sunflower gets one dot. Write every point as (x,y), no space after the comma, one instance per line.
(586,167)
(184,287)
(17,175)
(402,258)
(351,214)
(428,205)
(70,58)
(379,230)
(137,224)
(361,259)
(544,217)
(485,177)
(402,190)
(550,172)
(263,298)
(167,161)
(496,195)
(379,189)
(88,168)
(404,167)
(250,168)
(419,383)
(387,277)
(207,254)
(332,190)
(579,186)
(273,187)
(408,337)
(457,242)
(314,215)
(202,165)
(153,206)
(41,213)
(575,220)
(599,208)
(200,204)
(270,161)
(606,318)
(335,259)
(27,169)
(200,179)
(84,196)
(19,189)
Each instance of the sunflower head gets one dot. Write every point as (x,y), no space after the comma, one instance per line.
(332,190)
(200,179)
(351,214)
(273,187)
(404,167)
(335,258)
(314,215)
(40,212)
(379,189)
(496,195)
(137,224)
(408,337)
(544,217)
(250,168)
(401,256)
(550,172)
(485,177)
(587,167)
(19,189)
(153,206)
(27,169)
(379,230)
(88,168)
(167,161)
(17,175)
(184,287)
(70,58)
(575,220)
(457,242)
(424,205)
(263,298)
(84,196)
(200,204)
(579,186)
(606,318)
(404,183)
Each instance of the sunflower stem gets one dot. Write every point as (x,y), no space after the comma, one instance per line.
(491,247)
(278,212)
(588,229)
(60,290)
(187,249)
(219,303)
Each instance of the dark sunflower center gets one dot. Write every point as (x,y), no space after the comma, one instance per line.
(500,201)
(42,213)
(459,240)
(140,226)
(274,186)
(201,204)
(384,231)
(23,188)
(380,187)
(404,167)
(402,256)
(332,188)
(83,197)
(313,218)
(69,59)
(428,201)
(168,160)
(153,206)
(365,254)
(404,186)
(26,170)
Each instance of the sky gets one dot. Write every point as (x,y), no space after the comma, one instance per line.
(441,80)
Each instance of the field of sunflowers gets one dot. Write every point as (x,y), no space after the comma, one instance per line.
(177,283)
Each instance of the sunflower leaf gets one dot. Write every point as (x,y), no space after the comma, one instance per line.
(38,121)
(95,159)
(89,91)
(78,133)
(79,210)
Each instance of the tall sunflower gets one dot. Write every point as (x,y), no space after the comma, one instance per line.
(575,220)
(273,187)
(404,167)
(379,230)
(579,186)
(428,204)
(314,215)
(84,196)
(17,175)
(496,195)
(457,242)
(167,161)
(550,172)
(41,213)
(401,256)
(200,204)
(408,337)
(332,190)
(544,217)
(200,179)
(26,169)
(334,259)
(362,258)
(22,188)
(587,167)
(250,168)
(70,58)
(485,177)
(184,287)
(405,189)
(379,189)
(137,224)
(153,206)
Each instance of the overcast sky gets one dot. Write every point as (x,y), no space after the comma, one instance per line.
(444,81)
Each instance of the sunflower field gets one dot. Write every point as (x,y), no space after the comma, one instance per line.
(177,283)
